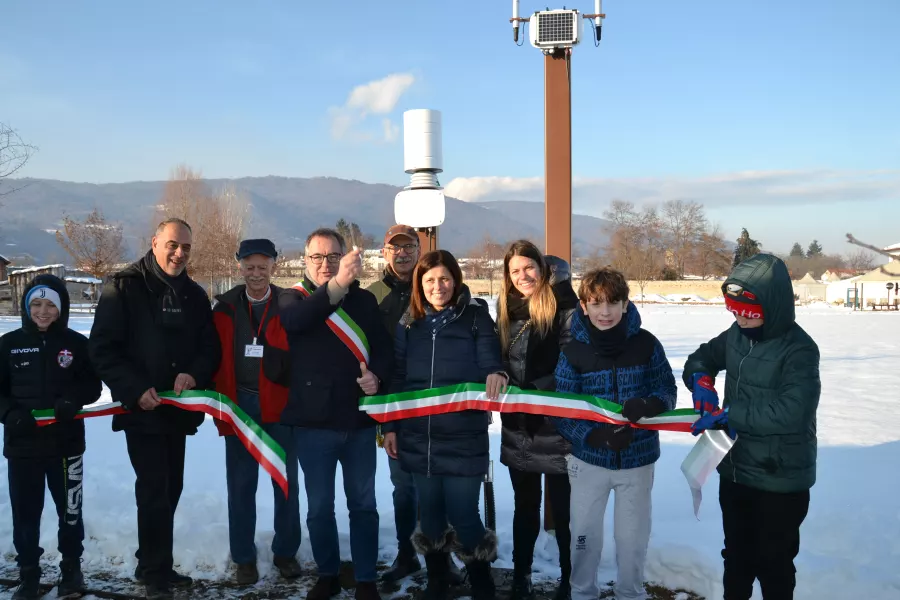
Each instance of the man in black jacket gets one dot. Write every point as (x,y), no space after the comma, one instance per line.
(153,332)
(45,365)
(339,351)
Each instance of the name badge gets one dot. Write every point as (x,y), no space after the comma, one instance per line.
(253,350)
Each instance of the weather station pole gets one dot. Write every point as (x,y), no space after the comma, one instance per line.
(556,33)
(421,204)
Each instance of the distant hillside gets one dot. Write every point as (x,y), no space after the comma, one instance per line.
(284,209)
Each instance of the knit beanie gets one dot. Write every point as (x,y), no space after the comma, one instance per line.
(43,292)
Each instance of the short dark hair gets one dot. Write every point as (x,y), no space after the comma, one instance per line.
(436,258)
(605,283)
(173,221)
(326,232)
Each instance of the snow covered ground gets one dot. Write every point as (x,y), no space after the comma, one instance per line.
(850,541)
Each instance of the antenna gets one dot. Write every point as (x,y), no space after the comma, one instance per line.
(598,17)
(515,20)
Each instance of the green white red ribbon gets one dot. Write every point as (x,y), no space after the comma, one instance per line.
(267,452)
(344,327)
(472,396)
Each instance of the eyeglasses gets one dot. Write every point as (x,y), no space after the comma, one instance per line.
(396,249)
(333,258)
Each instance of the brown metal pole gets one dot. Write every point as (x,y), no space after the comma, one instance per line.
(557,176)
(428,239)
(558,154)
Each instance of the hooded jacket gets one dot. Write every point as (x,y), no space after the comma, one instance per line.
(463,347)
(275,366)
(133,349)
(639,369)
(772,385)
(531,442)
(39,369)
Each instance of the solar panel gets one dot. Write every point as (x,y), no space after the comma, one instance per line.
(556,27)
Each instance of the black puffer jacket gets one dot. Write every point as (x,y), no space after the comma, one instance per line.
(132,350)
(464,348)
(531,442)
(39,369)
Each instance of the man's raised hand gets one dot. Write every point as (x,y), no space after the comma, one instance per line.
(368,382)
(349,268)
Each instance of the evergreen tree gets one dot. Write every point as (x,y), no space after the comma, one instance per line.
(797,250)
(746,247)
(343,228)
(814,250)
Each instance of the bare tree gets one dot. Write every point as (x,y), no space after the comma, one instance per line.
(860,260)
(711,257)
(635,245)
(94,244)
(14,153)
(217,220)
(683,223)
(486,261)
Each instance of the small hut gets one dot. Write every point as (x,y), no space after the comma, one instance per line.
(19,280)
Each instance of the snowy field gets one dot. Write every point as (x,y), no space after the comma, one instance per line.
(850,541)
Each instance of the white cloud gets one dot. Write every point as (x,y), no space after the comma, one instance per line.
(378,97)
(799,187)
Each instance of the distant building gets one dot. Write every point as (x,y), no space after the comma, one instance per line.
(4,263)
(808,289)
(894,251)
(832,275)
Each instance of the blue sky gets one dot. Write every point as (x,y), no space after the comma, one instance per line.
(780,116)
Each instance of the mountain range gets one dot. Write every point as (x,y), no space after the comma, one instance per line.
(284,209)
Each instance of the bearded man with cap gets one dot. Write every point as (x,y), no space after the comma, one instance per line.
(772,389)
(255,374)
(153,331)
(45,365)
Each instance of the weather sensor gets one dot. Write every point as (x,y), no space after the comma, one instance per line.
(421,203)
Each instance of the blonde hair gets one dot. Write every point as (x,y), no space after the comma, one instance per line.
(541,304)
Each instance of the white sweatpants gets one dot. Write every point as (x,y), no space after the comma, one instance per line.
(590,493)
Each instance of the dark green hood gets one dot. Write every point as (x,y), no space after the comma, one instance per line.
(767,276)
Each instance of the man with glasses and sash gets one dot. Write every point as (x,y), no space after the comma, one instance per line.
(339,350)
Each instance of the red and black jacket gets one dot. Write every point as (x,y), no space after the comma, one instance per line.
(274,373)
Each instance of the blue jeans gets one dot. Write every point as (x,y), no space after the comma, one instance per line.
(242,476)
(319,451)
(453,499)
(406,509)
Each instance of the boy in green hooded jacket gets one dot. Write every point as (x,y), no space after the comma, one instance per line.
(772,389)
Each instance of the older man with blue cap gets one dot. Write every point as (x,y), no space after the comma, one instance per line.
(254,373)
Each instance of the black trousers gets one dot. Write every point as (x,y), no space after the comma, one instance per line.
(762,538)
(527,518)
(158,461)
(26,497)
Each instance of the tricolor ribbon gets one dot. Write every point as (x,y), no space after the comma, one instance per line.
(472,396)
(267,452)
(343,326)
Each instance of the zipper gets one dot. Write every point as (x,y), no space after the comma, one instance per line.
(431,385)
(46,358)
(736,390)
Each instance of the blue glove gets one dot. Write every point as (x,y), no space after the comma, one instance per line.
(706,399)
(713,420)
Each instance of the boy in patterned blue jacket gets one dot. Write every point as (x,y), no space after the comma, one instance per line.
(611,357)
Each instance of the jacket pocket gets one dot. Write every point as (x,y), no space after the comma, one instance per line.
(314,401)
(796,454)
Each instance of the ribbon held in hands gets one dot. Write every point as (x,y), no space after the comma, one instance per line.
(267,452)
(472,396)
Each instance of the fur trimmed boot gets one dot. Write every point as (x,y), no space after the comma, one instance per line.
(478,564)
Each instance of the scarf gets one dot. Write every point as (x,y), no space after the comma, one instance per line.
(517,308)
(170,309)
(611,342)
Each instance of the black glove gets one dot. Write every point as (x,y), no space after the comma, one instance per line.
(611,438)
(639,408)
(65,409)
(20,421)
